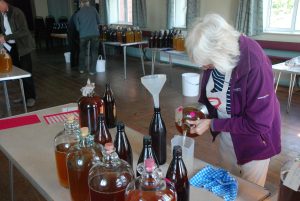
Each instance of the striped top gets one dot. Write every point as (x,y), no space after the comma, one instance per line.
(219,80)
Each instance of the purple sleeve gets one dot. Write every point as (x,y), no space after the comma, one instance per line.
(257,116)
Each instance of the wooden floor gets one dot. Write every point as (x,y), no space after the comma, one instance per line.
(57,84)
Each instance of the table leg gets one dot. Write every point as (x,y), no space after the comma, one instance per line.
(6,98)
(11,179)
(277,82)
(104,52)
(124,52)
(23,95)
(291,90)
(142,58)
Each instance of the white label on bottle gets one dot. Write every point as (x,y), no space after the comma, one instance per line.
(292,179)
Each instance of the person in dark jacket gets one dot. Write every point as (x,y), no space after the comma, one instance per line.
(73,38)
(237,89)
(17,35)
(87,21)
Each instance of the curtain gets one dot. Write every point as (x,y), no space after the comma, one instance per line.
(170,13)
(58,8)
(103,6)
(192,11)
(250,17)
(139,13)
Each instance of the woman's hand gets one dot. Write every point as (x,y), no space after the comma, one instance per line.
(199,126)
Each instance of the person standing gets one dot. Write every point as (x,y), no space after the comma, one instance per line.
(15,33)
(87,20)
(73,39)
(238,90)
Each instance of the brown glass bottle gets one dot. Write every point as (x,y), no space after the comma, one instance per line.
(147,152)
(158,133)
(155,39)
(90,105)
(102,135)
(177,174)
(150,41)
(122,145)
(109,107)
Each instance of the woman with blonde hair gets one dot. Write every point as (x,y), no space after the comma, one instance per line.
(237,88)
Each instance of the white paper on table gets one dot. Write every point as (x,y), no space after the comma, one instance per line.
(7,46)
(292,179)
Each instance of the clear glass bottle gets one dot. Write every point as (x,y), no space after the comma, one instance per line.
(110,107)
(147,152)
(63,141)
(102,135)
(151,185)
(286,193)
(109,178)
(80,159)
(158,133)
(90,105)
(177,174)
(122,144)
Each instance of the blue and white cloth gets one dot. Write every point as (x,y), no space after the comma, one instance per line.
(216,180)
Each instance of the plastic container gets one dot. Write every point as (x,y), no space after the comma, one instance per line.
(188,145)
(190,84)
(67,57)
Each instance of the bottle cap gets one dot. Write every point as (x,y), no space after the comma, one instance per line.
(109,147)
(84,131)
(147,140)
(177,151)
(149,164)
(120,125)
(70,118)
(101,117)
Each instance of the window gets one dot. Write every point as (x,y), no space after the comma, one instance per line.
(180,8)
(119,11)
(282,16)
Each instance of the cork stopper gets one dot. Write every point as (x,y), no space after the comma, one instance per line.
(70,118)
(84,131)
(149,165)
(109,147)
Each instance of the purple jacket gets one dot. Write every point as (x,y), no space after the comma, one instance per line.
(255,122)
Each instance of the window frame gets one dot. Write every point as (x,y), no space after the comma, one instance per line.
(126,14)
(291,30)
(174,19)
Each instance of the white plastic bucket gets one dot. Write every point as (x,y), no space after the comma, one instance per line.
(67,57)
(190,84)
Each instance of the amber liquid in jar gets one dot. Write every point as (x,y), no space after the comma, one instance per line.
(150,195)
(5,63)
(114,191)
(89,110)
(183,127)
(78,178)
(180,44)
(60,156)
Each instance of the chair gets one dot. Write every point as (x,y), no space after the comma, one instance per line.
(49,22)
(40,31)
(63,19)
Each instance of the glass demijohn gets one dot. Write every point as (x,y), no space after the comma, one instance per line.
(109,178)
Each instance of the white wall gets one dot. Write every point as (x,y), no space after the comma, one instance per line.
(41,8)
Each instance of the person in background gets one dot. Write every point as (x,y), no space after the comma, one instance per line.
(17,35)
(87,20)
(237,88)
(73,39)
